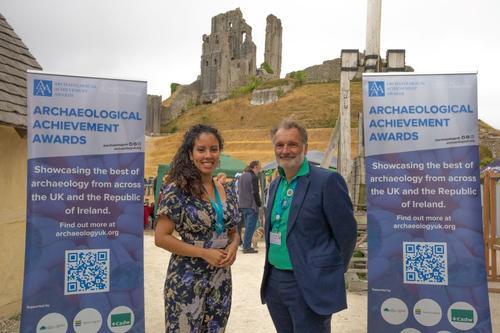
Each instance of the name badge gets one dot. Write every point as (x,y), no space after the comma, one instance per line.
(219,241)
(275,238)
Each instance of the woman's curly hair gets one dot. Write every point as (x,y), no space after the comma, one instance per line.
(182,171)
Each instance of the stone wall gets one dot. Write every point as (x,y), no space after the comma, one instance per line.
(13,163)
(271,95)
(184,97)
(328,71)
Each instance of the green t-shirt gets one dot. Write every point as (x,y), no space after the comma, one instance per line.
(278,254)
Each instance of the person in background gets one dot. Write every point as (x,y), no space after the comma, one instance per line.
(147,213)
(204,213)
(310,238)
(249,200)
(221,178)
(152,214)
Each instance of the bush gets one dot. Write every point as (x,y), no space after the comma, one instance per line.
(173,87)
(299,77)
(274,83)
(254,83)
(485,156)
(280,92)
(265,66)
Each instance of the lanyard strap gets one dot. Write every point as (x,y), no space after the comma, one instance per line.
(286,201)
(219,211)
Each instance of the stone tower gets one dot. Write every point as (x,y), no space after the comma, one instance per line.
(228,56)
(272,53)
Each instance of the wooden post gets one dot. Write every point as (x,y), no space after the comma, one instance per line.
(349,67)
(396,60)
(359,170)
(486,222)
(493,226)
(373,22)
(332,146)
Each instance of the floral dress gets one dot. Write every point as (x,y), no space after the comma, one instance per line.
(197,295)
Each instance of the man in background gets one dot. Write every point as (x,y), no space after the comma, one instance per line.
(249,200)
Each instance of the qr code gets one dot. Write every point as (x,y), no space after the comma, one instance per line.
(425,263)
(86,271)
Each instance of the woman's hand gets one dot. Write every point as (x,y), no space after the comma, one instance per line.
(232,248)
(231,251)
(214,256)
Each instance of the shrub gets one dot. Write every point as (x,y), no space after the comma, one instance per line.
(300,76)
(254,83)
(280,92)
(485,155)
(173,87)
(265,66)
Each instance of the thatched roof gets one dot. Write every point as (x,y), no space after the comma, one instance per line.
(15,59)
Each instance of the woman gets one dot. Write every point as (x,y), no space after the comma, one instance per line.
(204,213)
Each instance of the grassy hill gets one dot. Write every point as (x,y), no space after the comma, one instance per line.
(245,128)
(315,105)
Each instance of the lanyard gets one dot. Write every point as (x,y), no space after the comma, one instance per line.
(286,201)
(219,212)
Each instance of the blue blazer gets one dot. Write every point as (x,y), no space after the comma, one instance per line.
(321,236)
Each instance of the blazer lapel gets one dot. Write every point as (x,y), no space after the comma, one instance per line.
(298,200)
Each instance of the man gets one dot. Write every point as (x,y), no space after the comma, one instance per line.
(147,213)
(249,200)
(310,238)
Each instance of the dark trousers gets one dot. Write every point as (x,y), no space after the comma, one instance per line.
(250,216)
(288,309)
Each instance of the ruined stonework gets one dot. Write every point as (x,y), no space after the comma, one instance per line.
(184,98)
(329,70)
(272,54)
(228,56)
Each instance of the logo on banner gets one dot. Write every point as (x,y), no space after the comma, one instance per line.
(120,319)
(394,311)
(376,88)
(42,88)
(427,312)
(52,323)
(462,316)
(88,320)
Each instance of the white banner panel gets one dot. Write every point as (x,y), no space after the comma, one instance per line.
(398,119)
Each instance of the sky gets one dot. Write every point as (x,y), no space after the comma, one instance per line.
(160,41)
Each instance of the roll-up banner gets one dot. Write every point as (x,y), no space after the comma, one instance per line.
(84,238)
(426,269)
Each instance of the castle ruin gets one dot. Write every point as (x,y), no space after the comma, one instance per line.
(272,53)
(228,56)
(228,61)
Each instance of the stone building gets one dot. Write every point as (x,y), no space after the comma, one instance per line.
(228,56)
(15,59)
(272,53)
